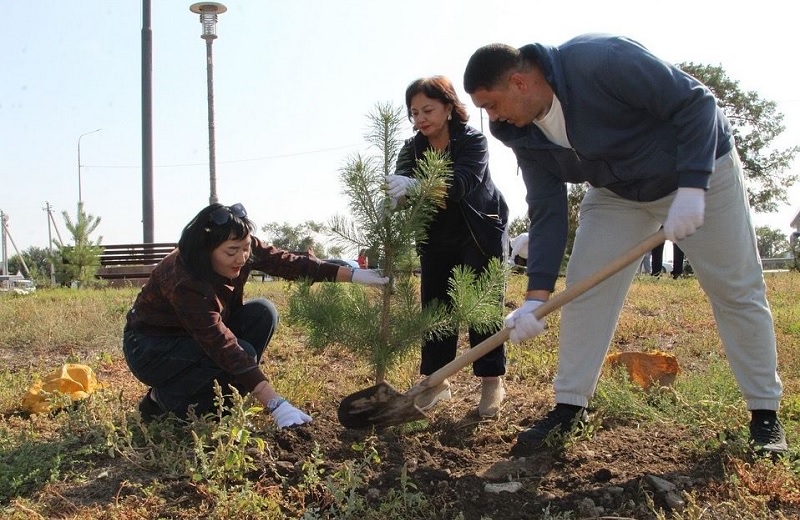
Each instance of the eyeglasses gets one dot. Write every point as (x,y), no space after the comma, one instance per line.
(222,215)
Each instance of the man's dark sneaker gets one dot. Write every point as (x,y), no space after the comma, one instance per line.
(149,409)
(766,433)
(561,420)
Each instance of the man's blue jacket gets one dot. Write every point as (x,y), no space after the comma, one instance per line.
(638,126)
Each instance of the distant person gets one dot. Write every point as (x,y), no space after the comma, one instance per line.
(677,261)
(656,148)
(645,266)
(658,260)
(190,327)
(468,231)
(363,260)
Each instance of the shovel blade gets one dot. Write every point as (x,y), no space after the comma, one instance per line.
(378,406)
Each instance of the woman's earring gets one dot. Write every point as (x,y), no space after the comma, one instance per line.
(449,117)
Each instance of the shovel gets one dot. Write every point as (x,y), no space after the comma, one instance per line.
(382,405)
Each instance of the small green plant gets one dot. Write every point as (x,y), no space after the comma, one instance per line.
(222,443)
(475,299)
(28,463)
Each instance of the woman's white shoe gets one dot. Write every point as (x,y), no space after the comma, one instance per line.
(493,392)
(428,399)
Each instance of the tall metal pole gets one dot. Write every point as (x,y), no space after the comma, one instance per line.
(80,194)
(208,12)
(147,126)
(212,148)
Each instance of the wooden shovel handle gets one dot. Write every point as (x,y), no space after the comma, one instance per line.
(567,295)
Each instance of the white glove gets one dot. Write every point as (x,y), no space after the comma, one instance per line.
(519,246)
(286,415)
(685,214)
(523,323)
(368,277)
(398,185)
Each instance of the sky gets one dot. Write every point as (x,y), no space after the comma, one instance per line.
(293,84)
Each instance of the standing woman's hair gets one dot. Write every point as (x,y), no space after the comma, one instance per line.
(207,230)
(441,88)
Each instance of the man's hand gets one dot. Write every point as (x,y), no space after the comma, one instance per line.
(685,214)
(398,185)
(368,277)
(286,415)
(523,323)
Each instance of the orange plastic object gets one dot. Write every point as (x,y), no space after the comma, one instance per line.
(647,368)
(76,381)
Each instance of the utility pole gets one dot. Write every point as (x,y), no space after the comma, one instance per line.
(3,219)
(7,233)
(48,208)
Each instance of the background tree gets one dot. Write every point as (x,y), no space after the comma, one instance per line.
(772,242)
(756,123)
(301,237)
(38,261)
(518,226)
(575,194)
(79,262)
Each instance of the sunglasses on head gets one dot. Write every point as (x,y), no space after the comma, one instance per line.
(222,215)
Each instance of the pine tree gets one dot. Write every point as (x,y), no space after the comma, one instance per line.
(81,261)
(385,327)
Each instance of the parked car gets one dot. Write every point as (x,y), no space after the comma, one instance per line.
(340,261)
(17,285)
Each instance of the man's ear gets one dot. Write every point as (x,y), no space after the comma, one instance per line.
(518,81)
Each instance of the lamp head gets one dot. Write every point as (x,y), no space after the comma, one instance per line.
(208,12)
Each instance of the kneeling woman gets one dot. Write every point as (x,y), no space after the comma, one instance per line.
(189,326)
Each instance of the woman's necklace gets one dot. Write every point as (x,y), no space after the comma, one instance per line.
(440,144)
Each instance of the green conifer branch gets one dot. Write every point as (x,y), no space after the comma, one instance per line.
(385,326)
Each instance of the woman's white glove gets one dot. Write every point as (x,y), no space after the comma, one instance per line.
(685,214)
(286,415)
(523,323)
(398,185)
(519,246)
(368,277)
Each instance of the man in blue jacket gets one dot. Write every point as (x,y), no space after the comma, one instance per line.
(656,149)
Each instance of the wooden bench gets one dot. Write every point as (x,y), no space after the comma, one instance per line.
(123,265)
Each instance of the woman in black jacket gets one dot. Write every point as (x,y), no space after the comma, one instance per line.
(468,231)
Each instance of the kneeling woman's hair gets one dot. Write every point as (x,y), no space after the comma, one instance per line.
(207,230)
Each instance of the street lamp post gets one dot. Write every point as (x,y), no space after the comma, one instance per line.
(208,12)
(80,195)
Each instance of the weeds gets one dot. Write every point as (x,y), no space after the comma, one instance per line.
(97,459)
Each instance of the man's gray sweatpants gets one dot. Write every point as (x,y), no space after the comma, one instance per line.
(724,257)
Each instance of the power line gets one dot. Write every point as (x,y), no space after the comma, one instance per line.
(282,156)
